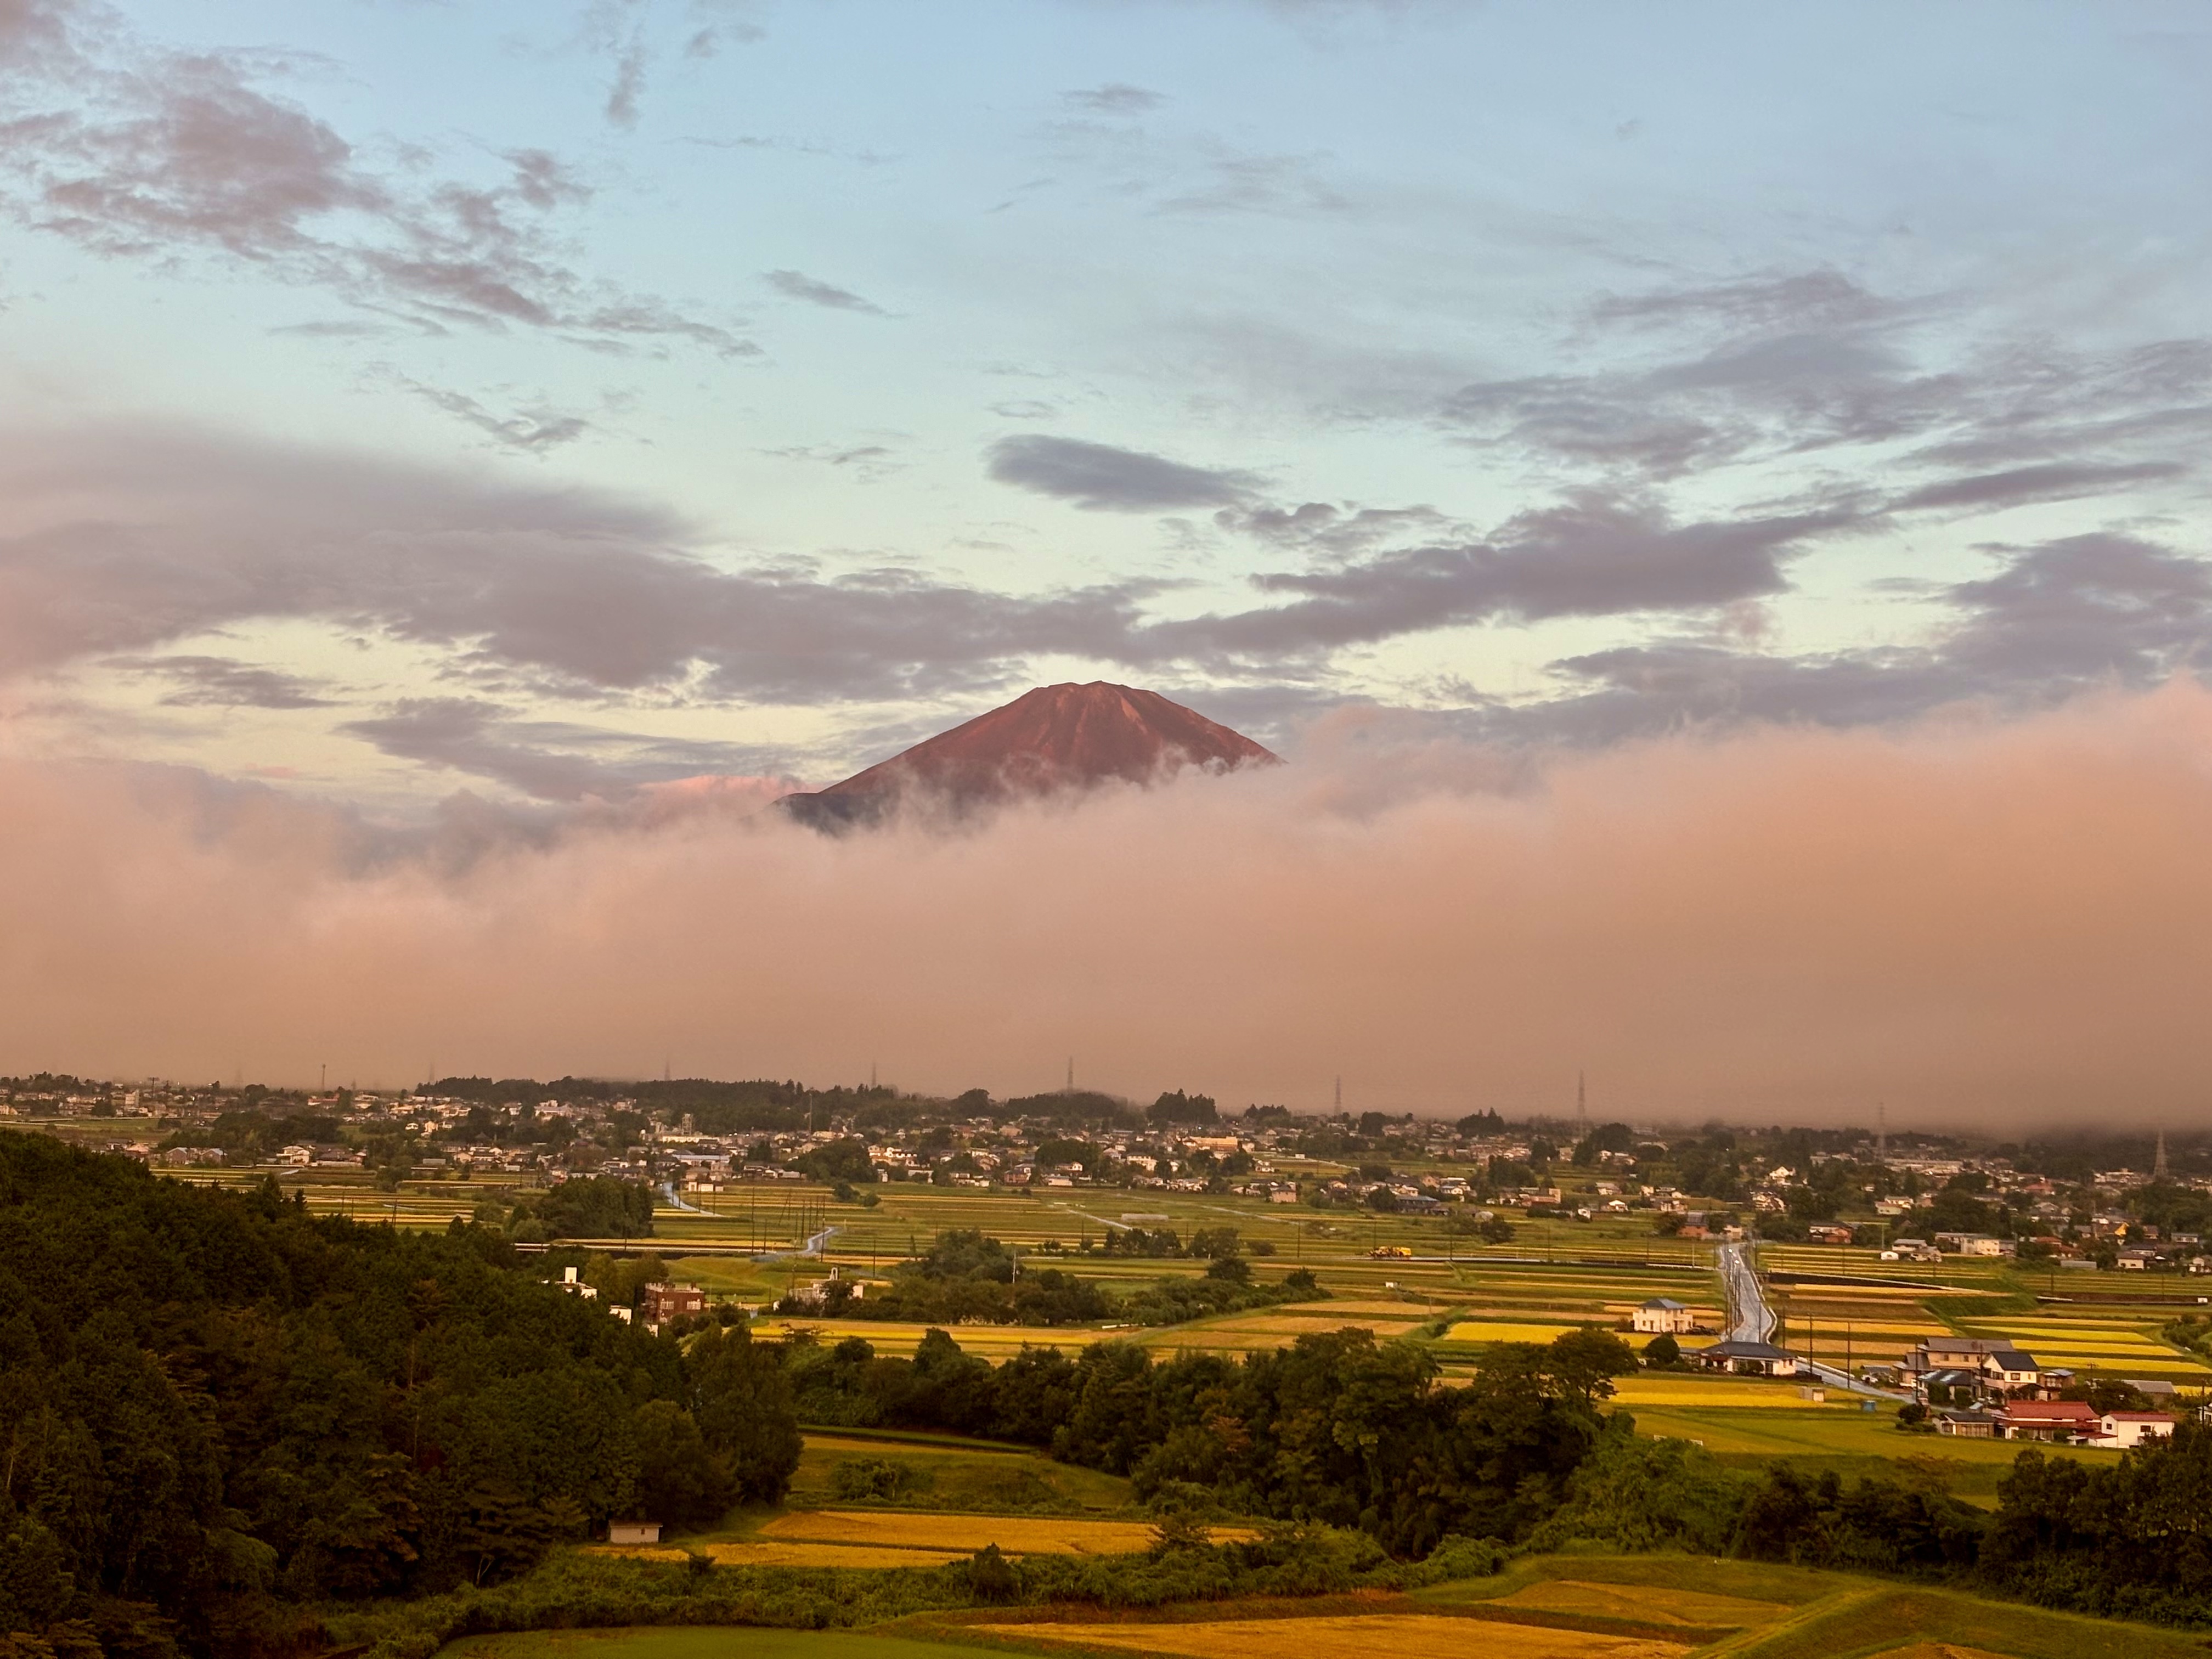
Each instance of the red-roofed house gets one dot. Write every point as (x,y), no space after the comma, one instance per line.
(2048,1419)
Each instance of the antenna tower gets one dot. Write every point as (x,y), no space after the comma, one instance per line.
(1340,1094)
(1882,1131)
(2158,1159)
(1071,1075)
(1582,1103)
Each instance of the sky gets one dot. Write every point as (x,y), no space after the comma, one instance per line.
(466,459)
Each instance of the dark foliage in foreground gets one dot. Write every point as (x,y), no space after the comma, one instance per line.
(218,1410)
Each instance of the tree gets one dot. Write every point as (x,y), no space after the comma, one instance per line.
(1663,1352)
(1179,1108)
(741,1401)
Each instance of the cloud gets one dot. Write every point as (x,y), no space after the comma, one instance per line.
(1594,557)
(225,683)
(1977,921)
(136,153)
(532,432)
(1786,368)
(2058,620)
(119,539)
(550,760)
(1823,299)
(1116,98)
(1100,478)
(798,285)
(2057,482)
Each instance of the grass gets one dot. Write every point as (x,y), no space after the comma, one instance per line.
(957,1476)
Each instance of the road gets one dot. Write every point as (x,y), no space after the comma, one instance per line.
(1750,1320)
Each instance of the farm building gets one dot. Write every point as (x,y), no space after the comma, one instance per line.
(1746,1358)
(633,1532)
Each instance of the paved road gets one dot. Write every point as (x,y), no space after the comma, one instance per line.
(1750,1320)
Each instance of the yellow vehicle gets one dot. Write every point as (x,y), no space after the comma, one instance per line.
(1391,1253)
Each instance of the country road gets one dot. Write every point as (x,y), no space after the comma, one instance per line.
(1751,1319)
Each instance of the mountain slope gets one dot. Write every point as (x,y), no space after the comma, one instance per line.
(1054,738)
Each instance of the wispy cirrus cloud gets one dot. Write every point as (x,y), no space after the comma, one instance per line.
(798,285)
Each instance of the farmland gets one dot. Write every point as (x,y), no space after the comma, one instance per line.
(1571,1607)
(1840,1305)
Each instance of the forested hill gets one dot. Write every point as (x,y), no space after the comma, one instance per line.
(216,1409)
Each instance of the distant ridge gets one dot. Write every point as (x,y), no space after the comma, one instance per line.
(1056,738)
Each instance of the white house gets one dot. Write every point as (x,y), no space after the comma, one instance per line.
(2121,1429)
(1663,1316)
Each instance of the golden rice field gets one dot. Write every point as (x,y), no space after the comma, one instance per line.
(1648,1389)
(1484,1330)
(1651,1603)
(1372,1636)
(966,1534)
(793,1555)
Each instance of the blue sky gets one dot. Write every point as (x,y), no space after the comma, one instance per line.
(545,401)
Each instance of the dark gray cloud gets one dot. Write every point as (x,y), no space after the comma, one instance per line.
(225,683)
(1101,478)
(798,285)
(1116,98)
(550,760)
(139,154)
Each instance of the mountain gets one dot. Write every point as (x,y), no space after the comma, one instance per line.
(1054,738)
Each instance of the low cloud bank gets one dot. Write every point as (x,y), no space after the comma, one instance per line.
(1975,920)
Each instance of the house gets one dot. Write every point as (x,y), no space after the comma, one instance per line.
(665,1301)
(1663,1316)
(633,1532)
(2048,1419)
(2121,1429)
(574,1286)
(1828,1233)
(1746,1358)
(1989,1365)
(1977,1244)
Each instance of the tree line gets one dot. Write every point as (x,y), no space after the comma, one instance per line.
(216,1410)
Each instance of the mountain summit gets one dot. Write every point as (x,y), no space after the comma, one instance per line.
(1054,738)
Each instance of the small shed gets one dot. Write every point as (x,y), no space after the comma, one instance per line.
(633,1532)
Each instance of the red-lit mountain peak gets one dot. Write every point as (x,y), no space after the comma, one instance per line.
(1055,737)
